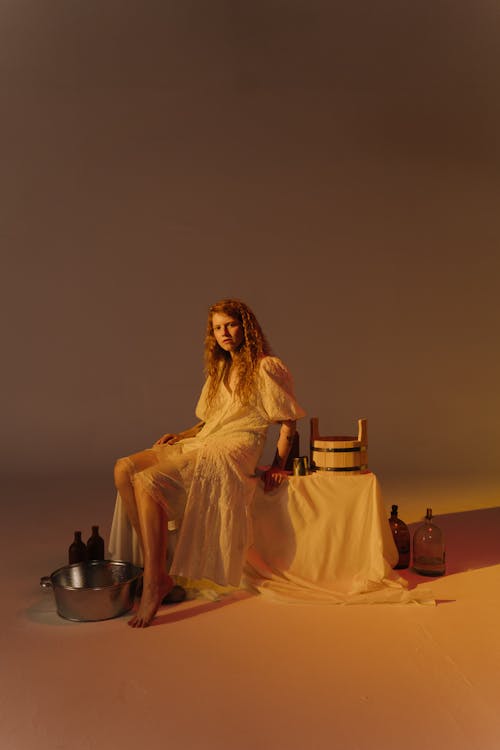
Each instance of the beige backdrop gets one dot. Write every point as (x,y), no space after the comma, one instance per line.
(335,165)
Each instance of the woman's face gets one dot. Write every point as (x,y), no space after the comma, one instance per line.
(228,332)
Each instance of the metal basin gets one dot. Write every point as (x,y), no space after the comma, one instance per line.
(95,590)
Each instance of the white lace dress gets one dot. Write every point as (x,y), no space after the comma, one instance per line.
(209,480)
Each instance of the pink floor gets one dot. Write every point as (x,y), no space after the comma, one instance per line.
(244,673)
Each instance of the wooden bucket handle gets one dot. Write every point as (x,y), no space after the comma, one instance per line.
(362,430)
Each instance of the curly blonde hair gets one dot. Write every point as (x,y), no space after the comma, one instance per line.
(246,359)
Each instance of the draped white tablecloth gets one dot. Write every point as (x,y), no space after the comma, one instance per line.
(326,537)
(322,538)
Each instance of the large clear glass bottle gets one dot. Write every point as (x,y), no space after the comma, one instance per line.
(77,551)
(95,545)
(428,548)
(401,536)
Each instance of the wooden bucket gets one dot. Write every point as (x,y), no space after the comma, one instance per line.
(339,452)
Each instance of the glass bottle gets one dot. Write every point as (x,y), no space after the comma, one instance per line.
(95,545)
(428,548)
(77,551)
(401,536)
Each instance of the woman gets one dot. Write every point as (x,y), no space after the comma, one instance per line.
(206,474)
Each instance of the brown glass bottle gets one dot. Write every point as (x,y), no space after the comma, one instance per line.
(428,548)
(401,536)
(95,545)
(77,551)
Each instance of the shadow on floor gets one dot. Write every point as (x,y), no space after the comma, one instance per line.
(198,608)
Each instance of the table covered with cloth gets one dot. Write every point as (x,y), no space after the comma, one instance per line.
(324,538)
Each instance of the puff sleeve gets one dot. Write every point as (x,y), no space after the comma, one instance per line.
(277,392)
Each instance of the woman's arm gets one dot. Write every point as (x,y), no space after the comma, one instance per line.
(285,440)
(173,437)
(273,477)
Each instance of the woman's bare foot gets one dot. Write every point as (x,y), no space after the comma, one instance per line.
(152,594)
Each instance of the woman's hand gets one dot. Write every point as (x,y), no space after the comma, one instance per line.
(273,477)
(169,438)
(173,437)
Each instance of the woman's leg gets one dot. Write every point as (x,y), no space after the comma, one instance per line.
(156,582)
(125,470)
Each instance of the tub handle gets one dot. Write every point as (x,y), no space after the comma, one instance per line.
(46,582)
